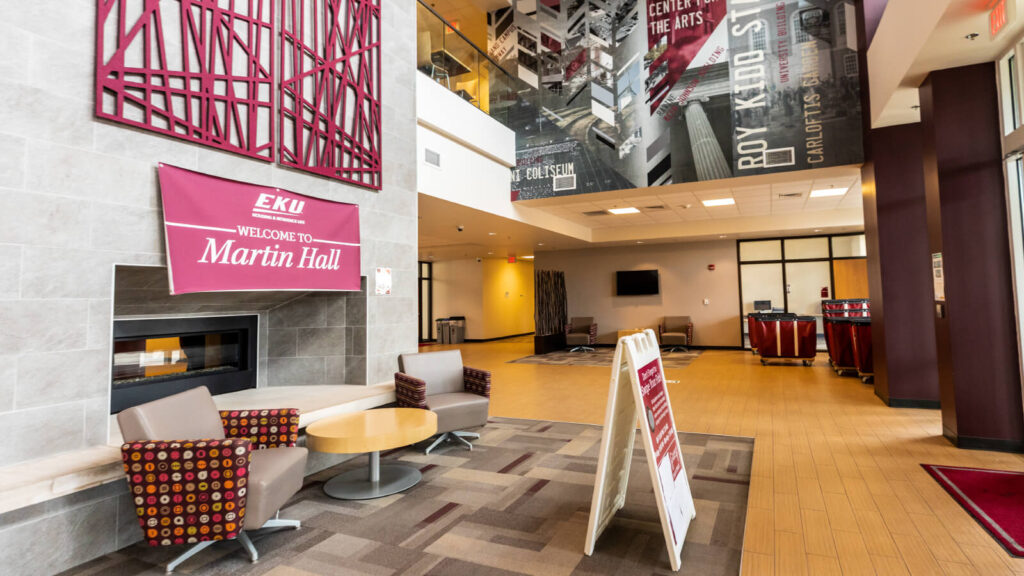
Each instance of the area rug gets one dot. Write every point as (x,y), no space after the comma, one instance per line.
(517,504)
(994,497)
(602,357)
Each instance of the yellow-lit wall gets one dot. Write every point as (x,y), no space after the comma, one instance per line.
(507,298)
(495,297)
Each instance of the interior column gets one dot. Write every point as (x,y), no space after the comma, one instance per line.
(899,269)
(975,327)
(707,154)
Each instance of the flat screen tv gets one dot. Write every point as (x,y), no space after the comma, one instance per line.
(636,282)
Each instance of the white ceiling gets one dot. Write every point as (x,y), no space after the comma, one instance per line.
(761,210)
(684,206)
(948,47)
(440,238)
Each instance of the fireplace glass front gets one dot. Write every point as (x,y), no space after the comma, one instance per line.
(154,358)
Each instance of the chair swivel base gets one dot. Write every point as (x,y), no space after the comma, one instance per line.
(582,349)
(455,436)
(678,349)
(377,481)
(242,539)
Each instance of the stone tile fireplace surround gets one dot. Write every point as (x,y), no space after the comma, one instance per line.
(79,196)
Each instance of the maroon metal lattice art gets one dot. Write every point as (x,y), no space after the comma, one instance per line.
(192,69)
(330,89)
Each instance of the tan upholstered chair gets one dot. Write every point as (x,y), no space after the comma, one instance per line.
(198,475)
(581,334)
(676,332)
(437,381)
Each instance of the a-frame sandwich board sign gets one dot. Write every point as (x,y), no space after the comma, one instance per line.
(638,393)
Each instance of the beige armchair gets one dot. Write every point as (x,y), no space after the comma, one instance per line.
(676,332)
(437,381)
(198,475)
(581,334)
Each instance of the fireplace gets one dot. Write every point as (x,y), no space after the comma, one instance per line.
(157,357)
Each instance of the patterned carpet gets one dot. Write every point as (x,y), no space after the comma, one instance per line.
(517,504)
(602,357)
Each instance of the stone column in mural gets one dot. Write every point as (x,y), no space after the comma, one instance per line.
(707,154)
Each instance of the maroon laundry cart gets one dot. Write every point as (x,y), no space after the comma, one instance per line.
(842,357)
(754,325)
(791,337)
(862,353)
(752,331)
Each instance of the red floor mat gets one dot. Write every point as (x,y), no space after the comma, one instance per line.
(994,497)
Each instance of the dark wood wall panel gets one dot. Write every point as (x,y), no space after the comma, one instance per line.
(979,371)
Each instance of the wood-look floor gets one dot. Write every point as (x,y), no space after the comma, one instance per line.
(837,486)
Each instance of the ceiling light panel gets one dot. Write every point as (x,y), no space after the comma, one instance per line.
(827,192)
(627,210)
(718,202)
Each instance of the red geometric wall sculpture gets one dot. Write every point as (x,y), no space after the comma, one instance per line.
(330,89)
(192,69)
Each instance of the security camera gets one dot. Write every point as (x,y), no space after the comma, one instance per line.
(460,227)
(479,259)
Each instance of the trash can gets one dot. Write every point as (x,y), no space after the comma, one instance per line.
(443,334)
(456,329)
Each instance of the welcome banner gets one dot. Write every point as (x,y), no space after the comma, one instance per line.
(223,236)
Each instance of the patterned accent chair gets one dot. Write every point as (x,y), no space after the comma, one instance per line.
(676,332)
(437,381)
(581,334)
(198,475)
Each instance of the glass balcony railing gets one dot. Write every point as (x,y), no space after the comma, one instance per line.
(445,55)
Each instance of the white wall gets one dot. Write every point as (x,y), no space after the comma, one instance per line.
(685,282)
(458,291)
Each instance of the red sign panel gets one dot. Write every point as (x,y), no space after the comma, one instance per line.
(224,235)
(659,419)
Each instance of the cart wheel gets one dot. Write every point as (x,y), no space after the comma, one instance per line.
(865,379)
(808,362)
(763,363)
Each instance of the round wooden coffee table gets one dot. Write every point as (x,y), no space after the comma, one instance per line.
(371,431)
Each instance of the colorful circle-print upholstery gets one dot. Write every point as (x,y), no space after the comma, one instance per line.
(188,491)
(263,428)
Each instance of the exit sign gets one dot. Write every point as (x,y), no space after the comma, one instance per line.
(511,259)
(997,18)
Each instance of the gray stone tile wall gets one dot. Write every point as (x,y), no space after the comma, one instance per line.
(78,196)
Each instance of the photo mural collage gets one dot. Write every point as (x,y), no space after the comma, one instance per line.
(295,78)
(634,93)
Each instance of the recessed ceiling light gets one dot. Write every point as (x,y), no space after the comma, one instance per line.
(639,241)
(817,229)
(723,236)
(490,253)
(540,243)
(718,202)
(527,257)
(826,192)
(492,233)
(619,211)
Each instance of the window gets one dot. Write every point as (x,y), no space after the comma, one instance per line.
(758,37)
(850,67)
(799,35)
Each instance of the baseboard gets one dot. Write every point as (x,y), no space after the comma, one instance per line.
(498,338)
(993,444)
(912,403)
(740,348)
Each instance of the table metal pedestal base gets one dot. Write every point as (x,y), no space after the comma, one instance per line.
(362,484)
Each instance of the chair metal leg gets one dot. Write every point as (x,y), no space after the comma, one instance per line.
(582,349)
(246,543)
(441,438)
(282,523)
(464,442)
(188,554)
